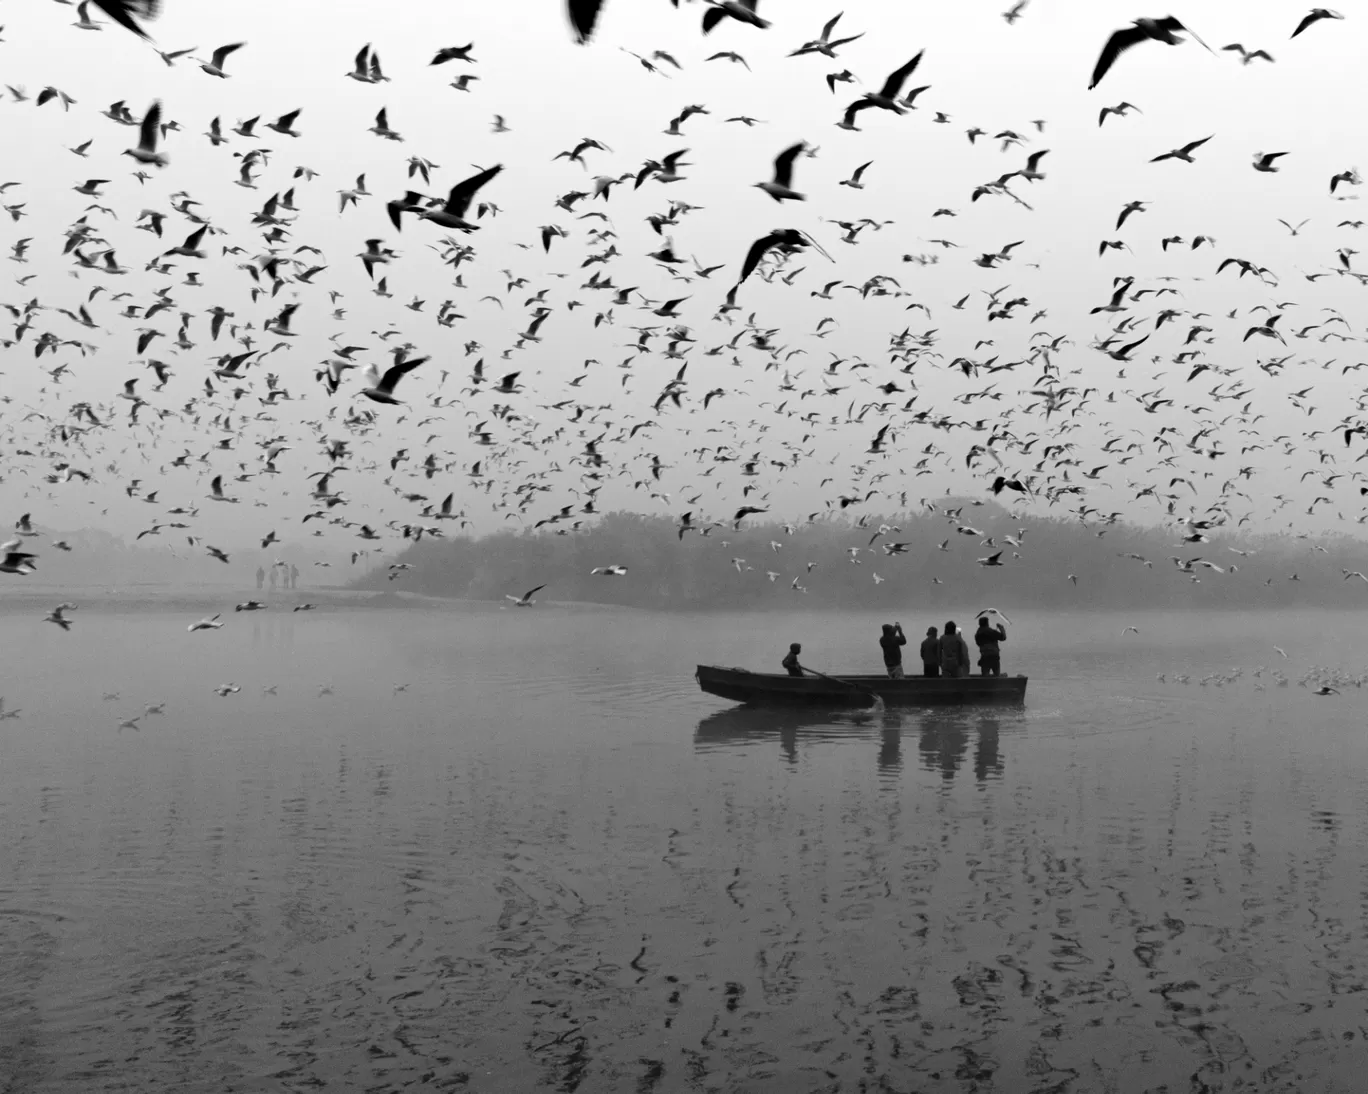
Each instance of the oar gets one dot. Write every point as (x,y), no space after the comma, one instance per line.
(846,683)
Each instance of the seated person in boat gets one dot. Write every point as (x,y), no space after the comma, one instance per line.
(930,653)
(987,639)
(790,661)
(892,641)
(954,653)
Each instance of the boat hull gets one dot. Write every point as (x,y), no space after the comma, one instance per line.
(743,686)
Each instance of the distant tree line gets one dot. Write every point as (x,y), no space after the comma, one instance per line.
(1056,563)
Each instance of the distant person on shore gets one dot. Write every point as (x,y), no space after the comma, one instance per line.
(294,576)
(930,653)
(954,653)
(892,641)
(261,576)
(790,661)
(272,578)
(987,639)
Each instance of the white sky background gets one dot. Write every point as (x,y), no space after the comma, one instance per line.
(983,73)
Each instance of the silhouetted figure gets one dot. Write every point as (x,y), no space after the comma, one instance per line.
(272,578)
(892,641)
(261,576)
(790,661)
(294,576)
(954,653)
(930,653)
(987,639)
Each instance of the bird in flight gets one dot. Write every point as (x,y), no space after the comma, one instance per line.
(1315,15)
(1142,30)
(524,601)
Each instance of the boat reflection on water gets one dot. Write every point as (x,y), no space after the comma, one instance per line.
(942,734)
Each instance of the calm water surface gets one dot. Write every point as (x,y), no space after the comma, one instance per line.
(550,863)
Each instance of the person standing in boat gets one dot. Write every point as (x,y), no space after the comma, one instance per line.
(892,641)
(987,639)
(954,653)
(930,653)
(790,661)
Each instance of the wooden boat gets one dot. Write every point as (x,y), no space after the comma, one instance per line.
(744,686)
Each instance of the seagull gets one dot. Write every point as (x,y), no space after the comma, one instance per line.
(123,11)
(1246,55)
(992,611)
(1158,30)
(610,571)
(886,97)
(1130,630)
(1263,161)
(991,560)
(1120,110)
(824,45)
(130,723)
(1184,153)
(854,181)
(524,601)
(1281,651)
(781,189)
(743,11)
(224,690)
(210,624)
(381,389)
(1315,16)
(453,53)
(148,135)
(56,616)
(452,213)
(15,561)
(214,67)
(1325,689)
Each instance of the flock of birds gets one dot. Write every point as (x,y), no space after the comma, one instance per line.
(1041,426)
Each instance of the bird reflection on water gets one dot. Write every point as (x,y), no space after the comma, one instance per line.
(943,734)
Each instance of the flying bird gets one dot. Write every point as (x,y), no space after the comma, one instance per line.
(381,388)
(1315,15)
(525,601)
(1142,30)
(781,187)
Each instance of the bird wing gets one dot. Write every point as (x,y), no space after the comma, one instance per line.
(123,11)
(396,372)
(223,52)
(756,253)
(1118,43)
(192,241)
(1306,21)
(458,201)
(147,136)
(528,595)
(896,79)
(583,15)
(783,164)
(831,23)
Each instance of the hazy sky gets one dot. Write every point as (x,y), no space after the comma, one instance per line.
(982,74)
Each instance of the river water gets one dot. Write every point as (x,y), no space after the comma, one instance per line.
(499,850)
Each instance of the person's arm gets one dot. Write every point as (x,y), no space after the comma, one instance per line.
(1002,633)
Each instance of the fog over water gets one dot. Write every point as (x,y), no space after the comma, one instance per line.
(550,862)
